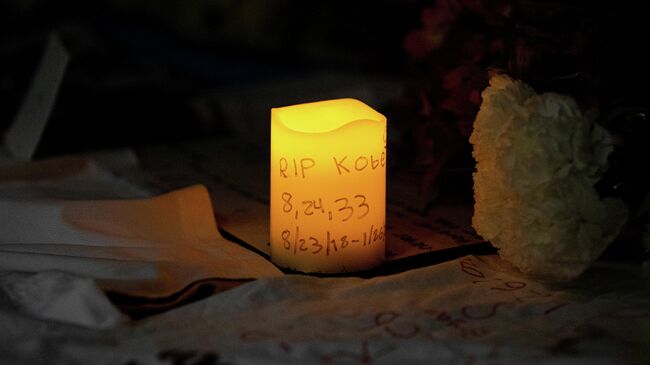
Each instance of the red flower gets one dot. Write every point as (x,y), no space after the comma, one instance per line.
(441,16)
(418,44)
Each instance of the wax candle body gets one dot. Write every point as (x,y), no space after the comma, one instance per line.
(328,186)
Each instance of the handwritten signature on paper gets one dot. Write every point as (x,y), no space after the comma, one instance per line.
(521,293)
(402,325)
(394,324)
(364,345)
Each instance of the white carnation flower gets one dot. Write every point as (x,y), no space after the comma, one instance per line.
(538,158)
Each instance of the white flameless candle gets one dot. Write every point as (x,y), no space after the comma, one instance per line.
(328,186)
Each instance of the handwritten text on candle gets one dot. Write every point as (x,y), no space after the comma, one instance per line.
(297,167)
(344,209)
(329,242)
(350,208)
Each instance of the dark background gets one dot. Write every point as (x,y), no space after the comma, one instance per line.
(140,70)
(150,72)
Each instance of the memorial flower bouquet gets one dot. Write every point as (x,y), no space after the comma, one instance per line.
(557,137)
(538,160)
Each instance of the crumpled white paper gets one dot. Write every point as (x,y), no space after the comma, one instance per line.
(59,296)
(474,310)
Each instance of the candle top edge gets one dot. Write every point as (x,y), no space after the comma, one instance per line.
(325,116)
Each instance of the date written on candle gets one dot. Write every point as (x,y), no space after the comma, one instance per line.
(329,243)
(343,208)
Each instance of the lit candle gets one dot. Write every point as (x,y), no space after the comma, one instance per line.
(328,186)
